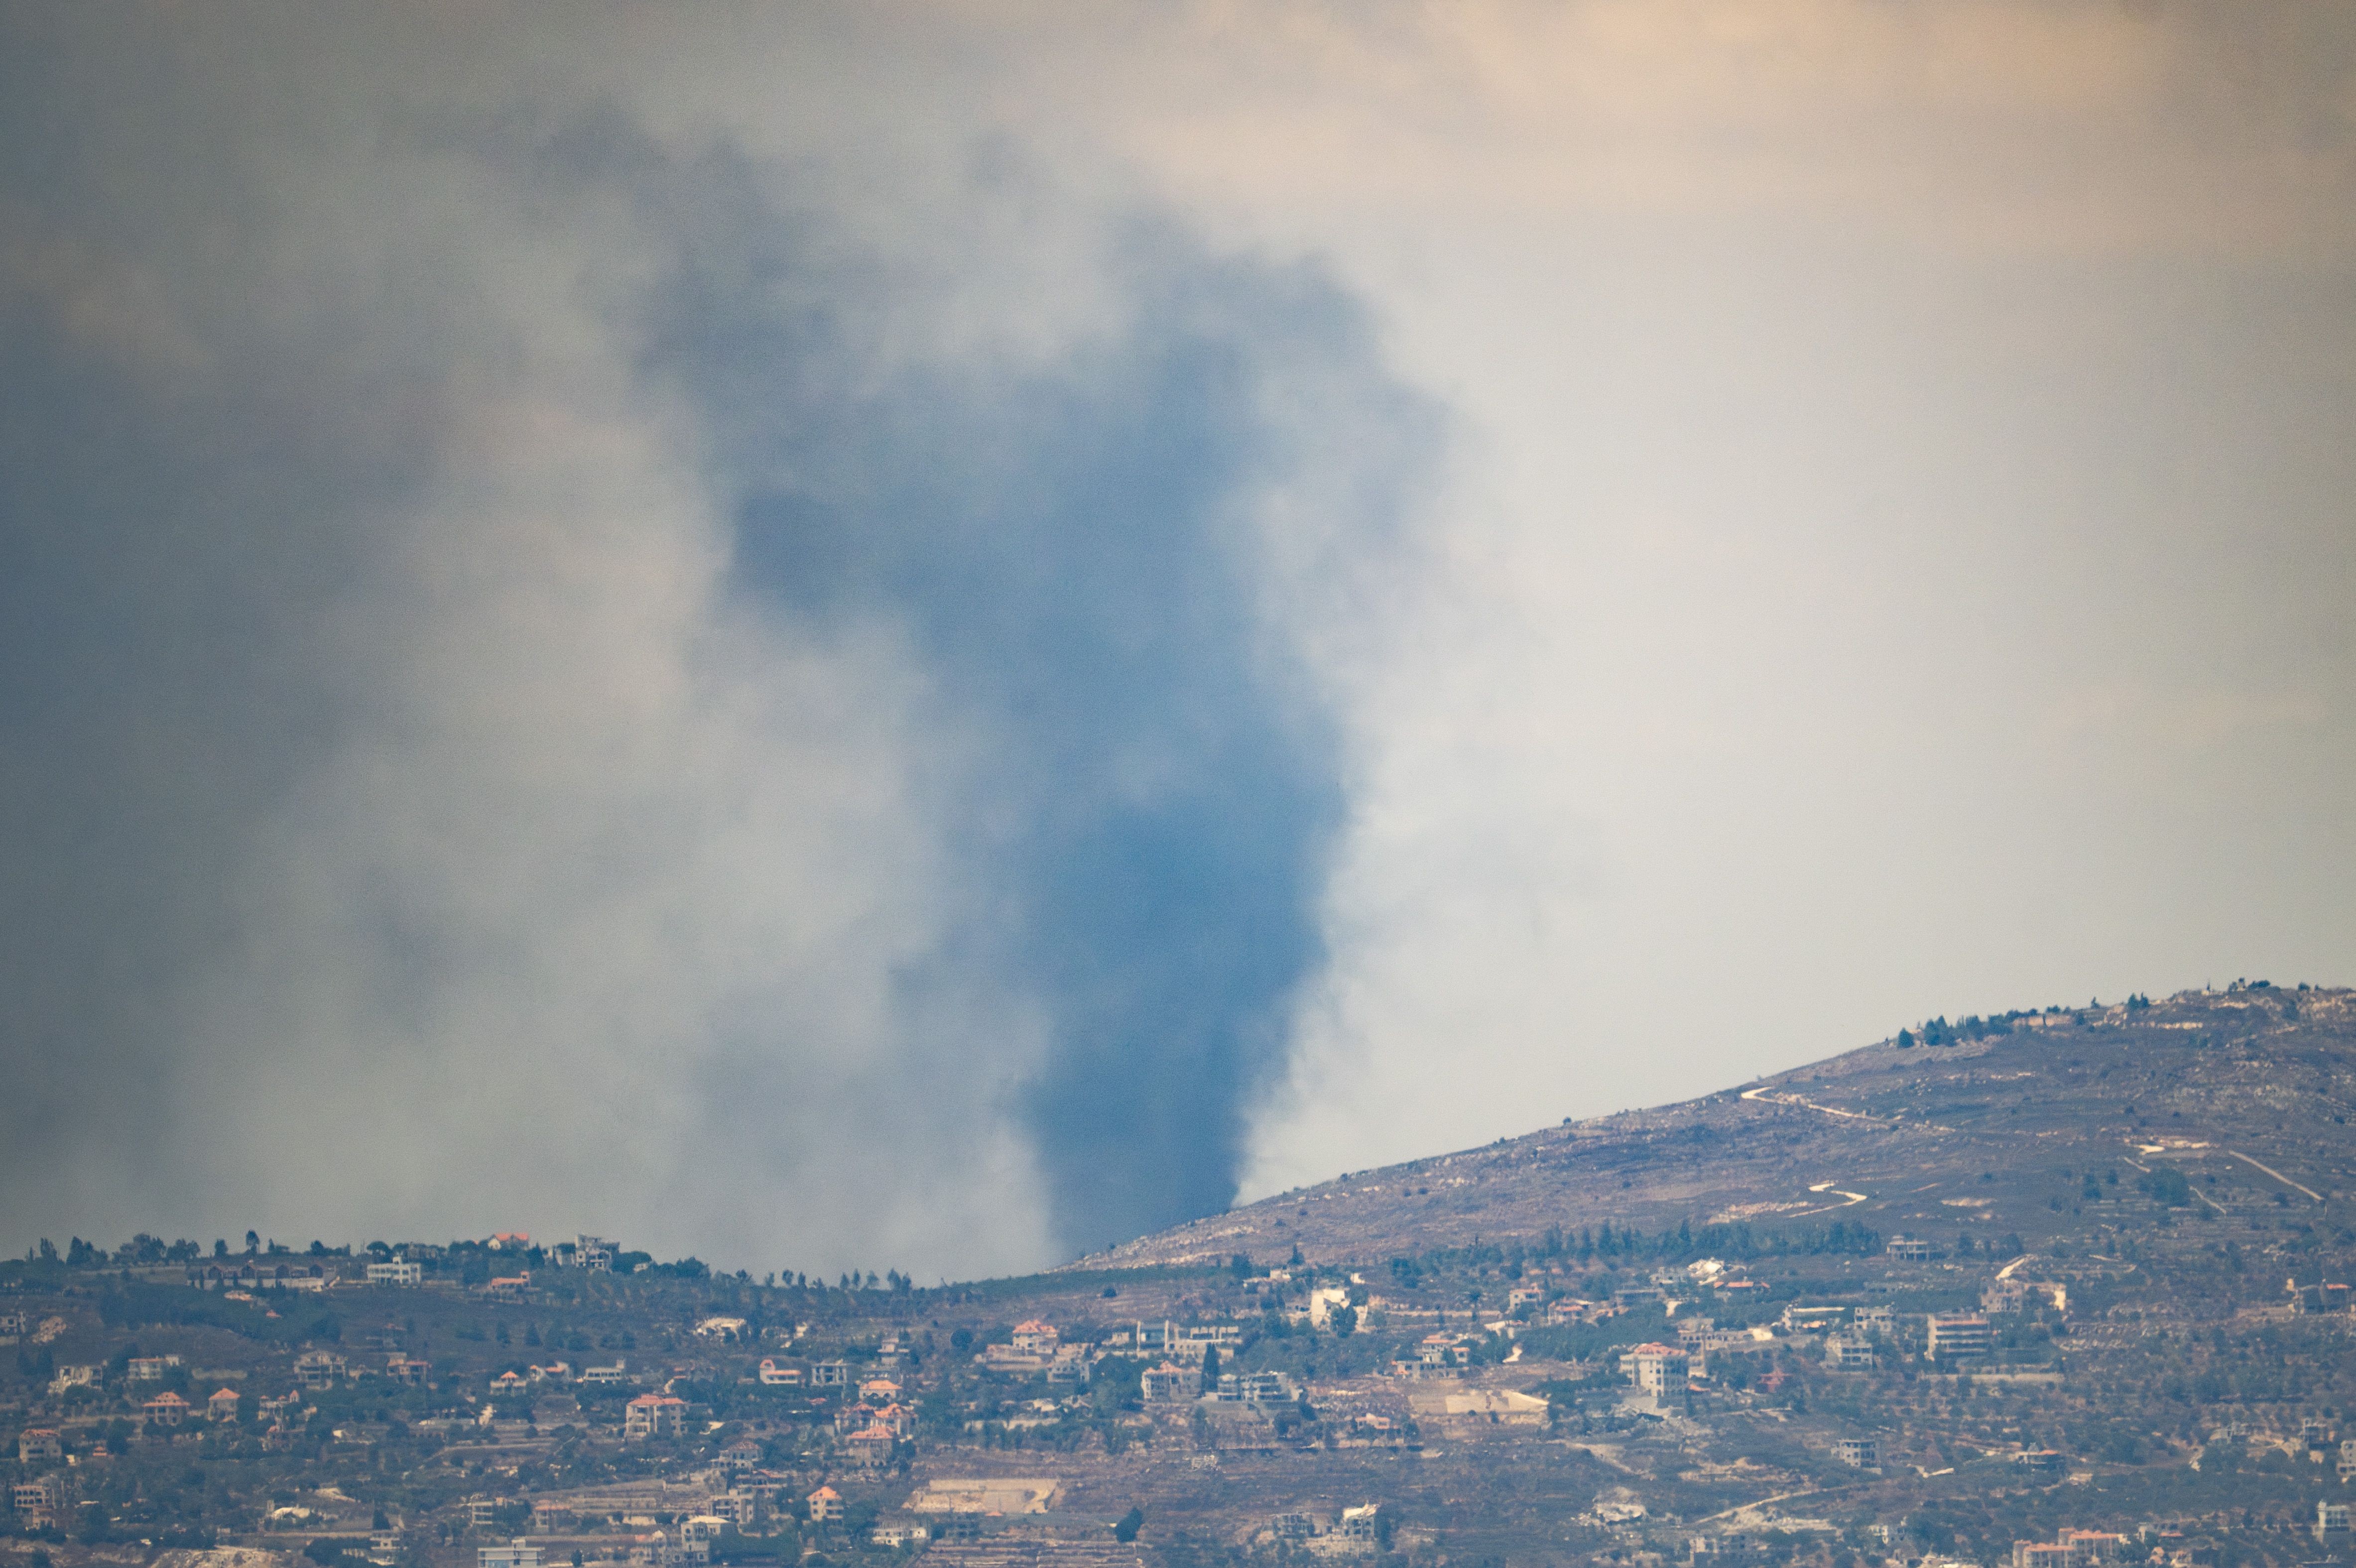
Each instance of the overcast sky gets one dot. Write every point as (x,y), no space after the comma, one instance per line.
(930,637)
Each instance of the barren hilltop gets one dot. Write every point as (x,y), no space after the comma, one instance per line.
(1944,1127)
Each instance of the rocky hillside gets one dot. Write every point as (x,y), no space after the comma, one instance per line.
(2026,1126)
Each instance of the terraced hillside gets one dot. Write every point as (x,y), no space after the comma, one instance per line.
(1990,1132)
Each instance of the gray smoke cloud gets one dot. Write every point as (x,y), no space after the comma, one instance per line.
(556,676)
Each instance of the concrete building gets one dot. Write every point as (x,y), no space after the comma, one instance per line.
(319,1368)
(1655,1368)
(519,1553)
(654,1416)
(40,1503)
(871,1447)
(1447,1350)
(1859,1453)
(696,1535)
(1957,1336)
(2089,1548)
(1171,1382)
(1849,1353)
(1253,1387)
(1798,1319)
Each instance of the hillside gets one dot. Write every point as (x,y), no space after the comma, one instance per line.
(1671,1335)
(1989,1131)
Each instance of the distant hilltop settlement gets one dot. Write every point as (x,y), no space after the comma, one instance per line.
(2130,1344)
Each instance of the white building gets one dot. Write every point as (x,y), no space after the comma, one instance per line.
(519,1552)
(1655,1368)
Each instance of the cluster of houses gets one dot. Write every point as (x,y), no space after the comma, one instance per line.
(870,1428)
(512,1381)
(1038,1347)
(402,1268)
(169,1411)
(1853,1339)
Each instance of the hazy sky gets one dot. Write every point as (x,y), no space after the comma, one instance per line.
(932,636)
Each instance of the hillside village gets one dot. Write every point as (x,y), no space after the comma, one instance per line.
(2128,1346)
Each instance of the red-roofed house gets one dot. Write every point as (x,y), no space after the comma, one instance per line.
(650,1415)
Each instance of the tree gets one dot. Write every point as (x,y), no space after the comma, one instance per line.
(1126,1530)
(252,1243)
(1345,1320)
